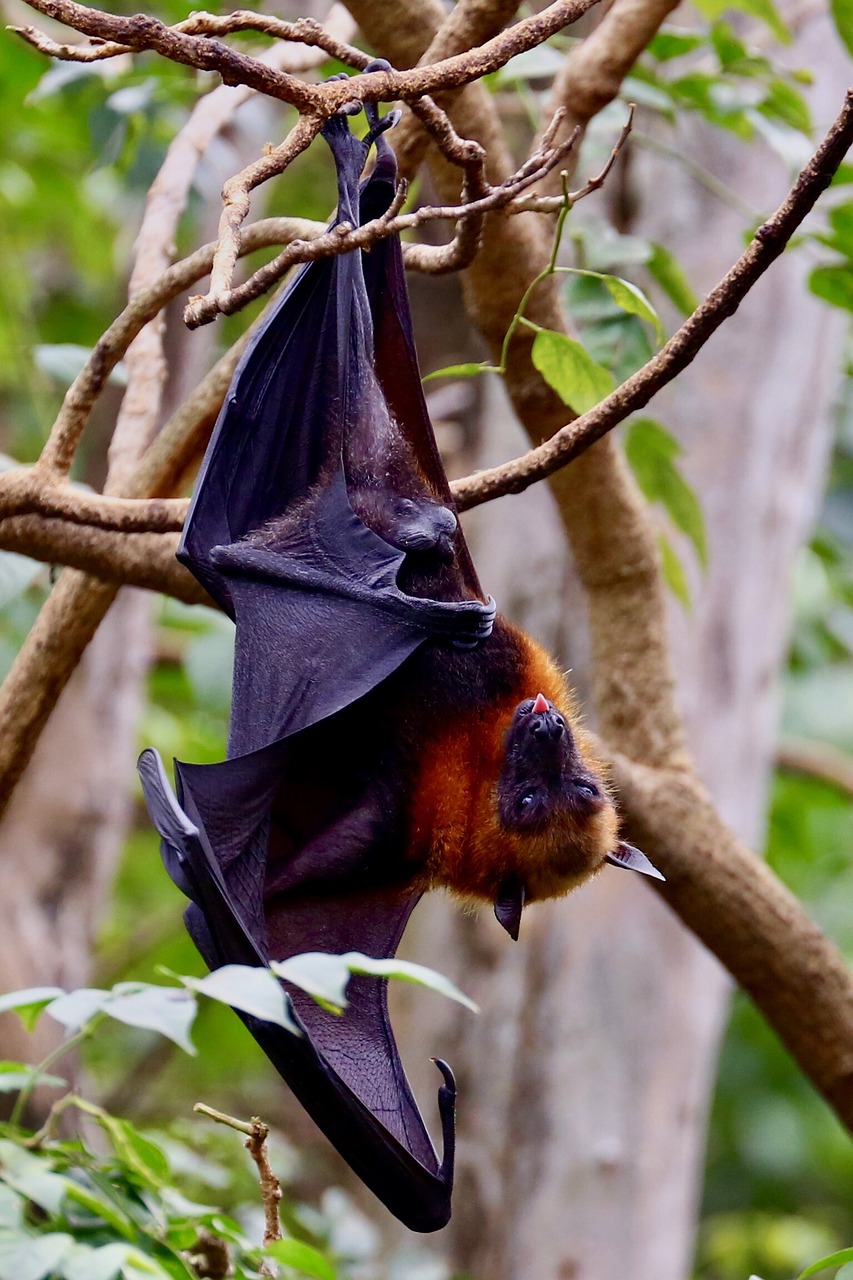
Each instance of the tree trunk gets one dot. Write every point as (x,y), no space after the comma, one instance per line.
(585,1081)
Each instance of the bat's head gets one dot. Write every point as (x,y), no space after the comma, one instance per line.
(555,809)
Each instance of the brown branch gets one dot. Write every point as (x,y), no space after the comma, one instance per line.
(757,928)
(592,74)
(343,238)
(767,244)
(142,32)
(22,493)
(256,1144)
(58,453)
(123,559)
(304,31)
(817,760)
(553,204)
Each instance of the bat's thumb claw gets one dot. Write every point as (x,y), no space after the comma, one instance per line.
(447,1112)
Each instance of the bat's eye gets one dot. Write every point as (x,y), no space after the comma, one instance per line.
(527,800)
(585,788)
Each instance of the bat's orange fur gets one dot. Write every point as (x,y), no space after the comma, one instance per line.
(456,833)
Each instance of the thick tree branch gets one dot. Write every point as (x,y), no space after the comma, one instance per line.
(757,928)
(123,559)
(142,32)
(765,247)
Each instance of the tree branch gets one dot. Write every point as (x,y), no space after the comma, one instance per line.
(765,247)
(142,32)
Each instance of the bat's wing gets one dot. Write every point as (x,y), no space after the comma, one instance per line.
(345,1070)
(321,625)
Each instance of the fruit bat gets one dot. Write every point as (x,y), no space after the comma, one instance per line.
(389,734)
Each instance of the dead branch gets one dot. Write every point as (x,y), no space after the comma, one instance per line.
(765,247)
(553,204)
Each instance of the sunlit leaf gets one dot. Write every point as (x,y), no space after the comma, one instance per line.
(406,971)
(634,301)
(29,1004)
(167,1010)
(832,1260)
(255,991)
(669,273)
(64,360)
(75,1008)
(11,1209)
(322,975)
(651,452)
(842,16)
(301,1257)
(570,370)
(36,1257)
(15,1076)
(16,574)
(673,571)
(763,9)
(469,370)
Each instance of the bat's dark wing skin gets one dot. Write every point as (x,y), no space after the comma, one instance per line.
(289,844)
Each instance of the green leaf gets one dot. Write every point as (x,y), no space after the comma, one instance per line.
(29,1004)
(651,452)
(15,1076)
(842,16)
(36,1257)
(469,370)
(11,1209)
(255,991)
(406,971)
(322,975)
(570,370)
(167,1010)
(140,1154)
(763,9)
(833,284)
(300,1256)
(669,273)
(634,301)
(673,571)
(832,1260)
(75,1008)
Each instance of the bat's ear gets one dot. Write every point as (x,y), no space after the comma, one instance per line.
(509,905)
(625,855)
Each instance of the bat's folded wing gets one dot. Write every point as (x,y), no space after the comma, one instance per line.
(344,1069)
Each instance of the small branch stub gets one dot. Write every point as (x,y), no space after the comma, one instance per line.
(256,1144)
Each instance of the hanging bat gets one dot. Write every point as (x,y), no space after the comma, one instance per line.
(389,734)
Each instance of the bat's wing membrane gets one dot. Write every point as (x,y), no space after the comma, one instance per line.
(321,623)
(345,1070)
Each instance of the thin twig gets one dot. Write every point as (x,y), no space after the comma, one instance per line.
(256,1144)
(767,244)
(304,31)
(343,238)
(553,204)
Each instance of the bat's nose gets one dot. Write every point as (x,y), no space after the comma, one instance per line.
(547,727)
